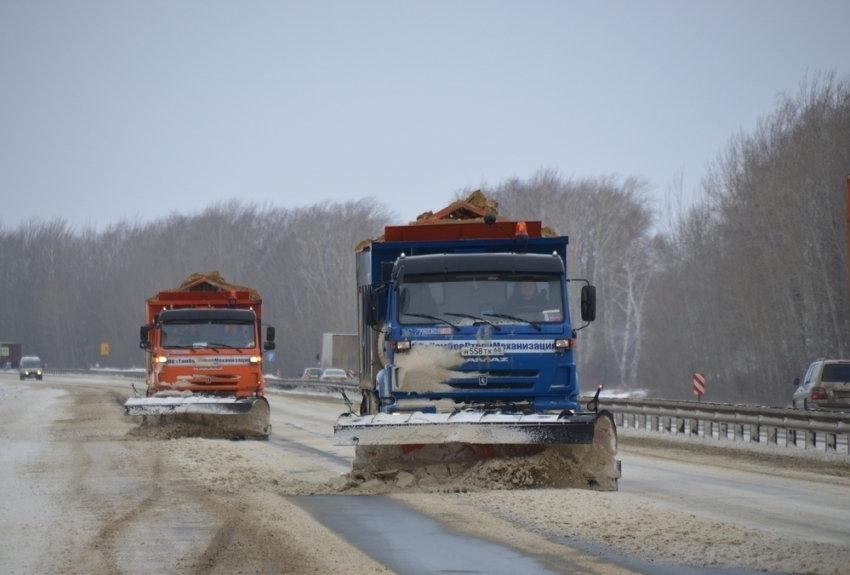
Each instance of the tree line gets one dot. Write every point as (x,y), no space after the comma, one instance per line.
(65,292)
(746,283)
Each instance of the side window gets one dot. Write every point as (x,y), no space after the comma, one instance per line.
(813,369)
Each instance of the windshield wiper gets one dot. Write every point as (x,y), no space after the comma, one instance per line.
(441,320)
(227,345)
(503,316)
(193,346)
(473,317)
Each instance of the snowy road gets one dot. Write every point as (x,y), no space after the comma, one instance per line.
(85,493)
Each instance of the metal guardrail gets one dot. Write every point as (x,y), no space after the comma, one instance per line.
(275,382)
(98,372)
(824,430)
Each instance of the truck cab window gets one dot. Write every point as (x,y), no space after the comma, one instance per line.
(537,298)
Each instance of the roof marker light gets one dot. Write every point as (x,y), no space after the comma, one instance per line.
(521,230)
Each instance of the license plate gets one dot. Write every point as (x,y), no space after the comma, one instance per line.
(482,351)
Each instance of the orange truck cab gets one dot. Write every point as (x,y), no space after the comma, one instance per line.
(204,350)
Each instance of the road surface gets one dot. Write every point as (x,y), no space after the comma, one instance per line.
(88,491)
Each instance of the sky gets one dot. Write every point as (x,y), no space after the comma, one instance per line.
(131,111)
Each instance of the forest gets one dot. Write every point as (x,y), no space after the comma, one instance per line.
(745,279)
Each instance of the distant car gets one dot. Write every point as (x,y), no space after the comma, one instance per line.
(312,373)
(31,366)
(826,385)
(334,374)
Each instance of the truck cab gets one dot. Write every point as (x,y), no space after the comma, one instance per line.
(469,322)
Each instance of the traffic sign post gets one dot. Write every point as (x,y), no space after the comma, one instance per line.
(699,385)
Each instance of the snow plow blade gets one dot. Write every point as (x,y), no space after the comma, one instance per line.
(502,451)
(225,417)
(463,427)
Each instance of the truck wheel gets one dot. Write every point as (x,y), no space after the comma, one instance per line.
(38,377)
(806,404)
(22,376)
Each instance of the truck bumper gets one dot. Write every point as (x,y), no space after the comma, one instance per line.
(463,427)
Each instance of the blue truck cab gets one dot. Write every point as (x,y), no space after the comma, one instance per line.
(467,315)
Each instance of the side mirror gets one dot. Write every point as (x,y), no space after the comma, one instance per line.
(270,334)
(588,303)
(796,381)
(144,343)
(370,307)
(268,346)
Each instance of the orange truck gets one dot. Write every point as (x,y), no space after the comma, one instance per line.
(204,355)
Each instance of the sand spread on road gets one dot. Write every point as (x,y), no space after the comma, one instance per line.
(107,498)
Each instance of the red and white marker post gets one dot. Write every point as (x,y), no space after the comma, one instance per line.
(699,385)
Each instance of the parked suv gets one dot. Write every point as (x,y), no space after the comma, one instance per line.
(825,386)
(31,366)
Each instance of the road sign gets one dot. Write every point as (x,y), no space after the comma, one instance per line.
(269,356)
(699,384)
(104,349)
(4,352)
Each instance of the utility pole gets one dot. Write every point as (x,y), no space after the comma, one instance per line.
(847,219)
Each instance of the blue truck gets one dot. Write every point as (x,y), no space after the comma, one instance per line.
(467,347)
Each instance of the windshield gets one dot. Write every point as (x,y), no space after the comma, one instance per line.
(492,297)
(208,333)
(31,363)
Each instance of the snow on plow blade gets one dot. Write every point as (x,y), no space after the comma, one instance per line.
(221,416)
(191,404)
(463,427)
(473,449)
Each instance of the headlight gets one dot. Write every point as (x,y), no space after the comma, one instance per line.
(256,359)
(161,359)
(401,345)
(564,344)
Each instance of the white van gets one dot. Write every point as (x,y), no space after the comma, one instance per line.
(31,366)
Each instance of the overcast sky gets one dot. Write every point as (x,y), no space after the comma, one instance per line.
(135,110)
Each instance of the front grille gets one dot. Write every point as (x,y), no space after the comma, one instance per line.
(492,383)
